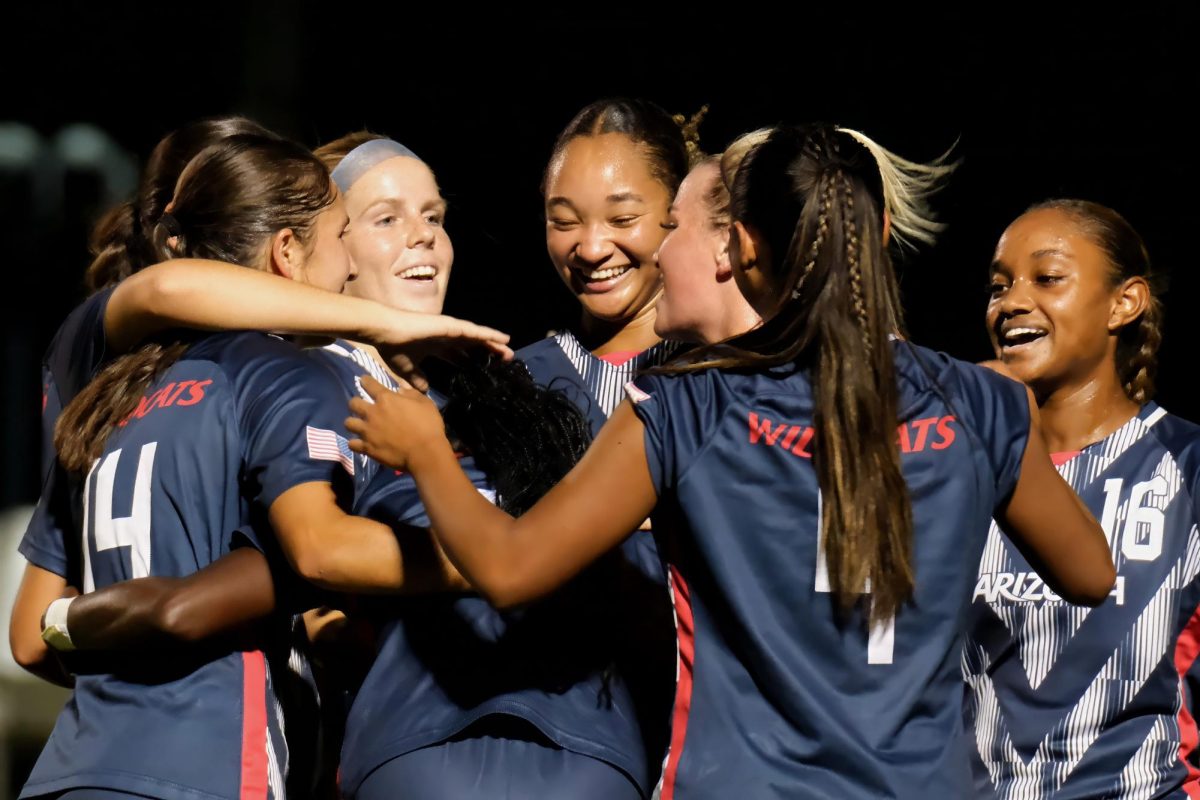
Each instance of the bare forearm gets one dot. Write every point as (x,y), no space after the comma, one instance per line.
(477,536)
(225,598)
(121,616)
(361,556)
(212,295)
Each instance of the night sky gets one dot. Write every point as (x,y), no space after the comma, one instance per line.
(1036,104)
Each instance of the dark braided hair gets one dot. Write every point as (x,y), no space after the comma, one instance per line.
(1138,342)
(523,436)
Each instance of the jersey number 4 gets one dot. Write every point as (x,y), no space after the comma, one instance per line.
(104,532)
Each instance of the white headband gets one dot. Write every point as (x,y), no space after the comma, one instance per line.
(363,158)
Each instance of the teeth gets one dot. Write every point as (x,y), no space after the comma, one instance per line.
(606,273)
(1020,333)
(422,271)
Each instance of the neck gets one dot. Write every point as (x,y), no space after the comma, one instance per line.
(1075,416)
(602,337)
(735,317)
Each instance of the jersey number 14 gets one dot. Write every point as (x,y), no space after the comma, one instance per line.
(104,532)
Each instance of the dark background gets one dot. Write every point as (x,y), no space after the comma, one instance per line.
(1084,102)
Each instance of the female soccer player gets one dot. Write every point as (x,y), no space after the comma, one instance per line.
(700,301)
(450,729)
(832,483)
(120,313)
(231,430)
(1072,702)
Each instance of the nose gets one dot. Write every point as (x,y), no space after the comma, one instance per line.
(1016,299)
(595,245)
(421,234)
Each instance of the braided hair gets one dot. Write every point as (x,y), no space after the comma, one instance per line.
(817,195)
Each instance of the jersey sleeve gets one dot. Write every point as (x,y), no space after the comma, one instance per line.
(291,415)
(44,543)
(999,411)
(389,498)
(80,347)
(675,412)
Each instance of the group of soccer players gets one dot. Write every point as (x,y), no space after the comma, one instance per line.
(733,535)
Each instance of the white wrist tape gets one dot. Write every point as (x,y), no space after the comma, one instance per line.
(55,632)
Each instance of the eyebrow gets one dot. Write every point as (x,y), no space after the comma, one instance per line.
(625,197)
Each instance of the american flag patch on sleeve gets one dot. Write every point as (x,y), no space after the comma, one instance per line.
(325,445)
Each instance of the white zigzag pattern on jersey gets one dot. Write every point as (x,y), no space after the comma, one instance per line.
(1042,638)
(1149,640)
(606,381)
(1145,771)
(1142,649)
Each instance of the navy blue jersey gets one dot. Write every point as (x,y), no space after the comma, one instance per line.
(235,423)
(776,698)
(443,663)
(1074,702)
(74,356)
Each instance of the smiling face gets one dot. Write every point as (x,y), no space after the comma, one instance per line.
(604,216)
(1054,312)
(396,238)
(699,302)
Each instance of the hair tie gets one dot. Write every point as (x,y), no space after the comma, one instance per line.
(171,225)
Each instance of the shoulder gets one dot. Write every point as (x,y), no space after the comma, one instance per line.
(258,363)
(926,371)
(83,320)
(1176,435)
(552,348)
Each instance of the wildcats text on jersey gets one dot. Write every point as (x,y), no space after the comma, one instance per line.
(183,393)
(912,436)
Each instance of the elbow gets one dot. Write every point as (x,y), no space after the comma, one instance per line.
(163,290)
(30,652)
(506,592)
(317,566)
(1093,588)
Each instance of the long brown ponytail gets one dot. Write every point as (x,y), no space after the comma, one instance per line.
(817,195)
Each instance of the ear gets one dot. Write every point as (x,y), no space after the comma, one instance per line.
(887,227)
(720,253)
(743,247)
(287,256)
(1130,301)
